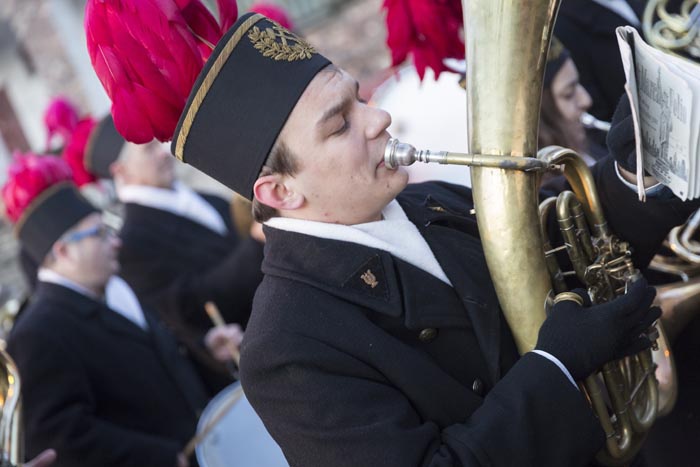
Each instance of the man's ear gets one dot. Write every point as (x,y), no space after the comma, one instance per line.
(59,250)
(271,191)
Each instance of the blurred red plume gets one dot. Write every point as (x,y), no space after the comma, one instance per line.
(147,54)
(274,12)
(429,30)
(74,152)
(29,175)
(60,118)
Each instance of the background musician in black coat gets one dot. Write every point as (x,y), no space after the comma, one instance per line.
(179,250)
(103,383)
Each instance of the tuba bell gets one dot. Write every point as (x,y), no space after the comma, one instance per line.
(506,48)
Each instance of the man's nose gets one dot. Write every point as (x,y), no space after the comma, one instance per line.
(379,122)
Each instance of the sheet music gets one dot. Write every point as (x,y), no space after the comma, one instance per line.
(663,94)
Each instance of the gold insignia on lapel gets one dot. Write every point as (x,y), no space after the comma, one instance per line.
(279,44)
(369,278)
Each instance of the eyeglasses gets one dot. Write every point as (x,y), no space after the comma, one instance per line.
(100,230)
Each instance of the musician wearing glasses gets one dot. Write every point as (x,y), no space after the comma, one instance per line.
(102,382)
(376,336)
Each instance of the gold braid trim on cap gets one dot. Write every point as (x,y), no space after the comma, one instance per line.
(38,201)
(208,82)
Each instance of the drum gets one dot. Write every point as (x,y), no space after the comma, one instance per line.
(238,436)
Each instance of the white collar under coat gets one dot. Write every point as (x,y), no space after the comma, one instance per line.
(181,200)
(395,234)
(119,297)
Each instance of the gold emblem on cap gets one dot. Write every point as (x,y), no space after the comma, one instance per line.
(278,44)
(369,278)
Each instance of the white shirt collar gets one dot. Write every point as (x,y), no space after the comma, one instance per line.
(181,200)
(122,299)
(119,297)
(394,234)
(52,277)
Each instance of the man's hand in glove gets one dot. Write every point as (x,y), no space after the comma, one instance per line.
(584,338)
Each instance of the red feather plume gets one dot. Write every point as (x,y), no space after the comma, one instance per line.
(274,12)
(74,151)
(60,119)
(147,54)
(429,30)
(29,175)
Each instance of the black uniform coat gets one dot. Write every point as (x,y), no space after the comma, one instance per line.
(175,265)
(587,29)
(98,388)
(398,369)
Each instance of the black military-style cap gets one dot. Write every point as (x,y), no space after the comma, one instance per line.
(50,215)
(103,147)
(242,99)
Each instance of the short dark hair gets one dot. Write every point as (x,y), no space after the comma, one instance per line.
(281,161)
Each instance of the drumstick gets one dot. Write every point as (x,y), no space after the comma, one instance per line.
(199,437)
(215,316)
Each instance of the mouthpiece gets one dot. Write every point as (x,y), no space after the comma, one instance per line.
(589,121)
(397,153)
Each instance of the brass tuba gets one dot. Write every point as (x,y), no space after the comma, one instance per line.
(506,48)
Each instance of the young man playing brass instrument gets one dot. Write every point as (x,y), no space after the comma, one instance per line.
(376,336)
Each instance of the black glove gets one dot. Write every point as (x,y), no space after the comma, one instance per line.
(620,139)
(584,338)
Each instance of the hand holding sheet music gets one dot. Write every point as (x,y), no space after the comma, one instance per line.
(664,93)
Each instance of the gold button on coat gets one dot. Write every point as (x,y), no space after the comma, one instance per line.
(427,334)
(478,387)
